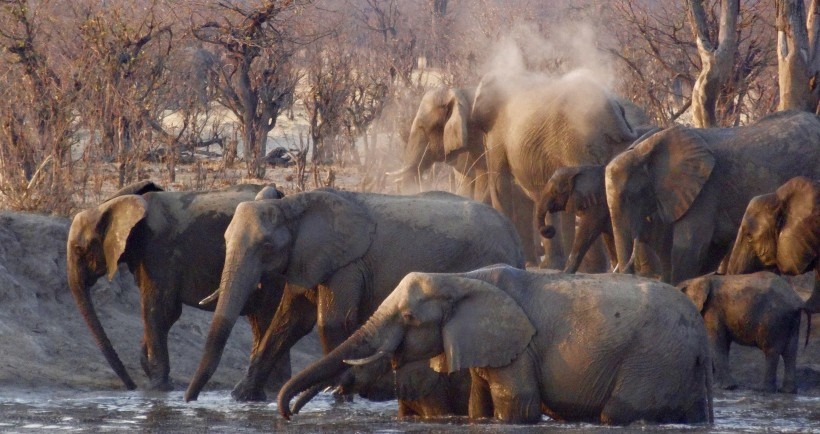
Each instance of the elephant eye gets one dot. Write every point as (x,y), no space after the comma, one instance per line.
(408,317)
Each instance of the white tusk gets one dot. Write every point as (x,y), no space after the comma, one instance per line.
(210,298)
(366,360)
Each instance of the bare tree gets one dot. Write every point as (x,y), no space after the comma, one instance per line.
(256,76)
(798,54)
(716,57)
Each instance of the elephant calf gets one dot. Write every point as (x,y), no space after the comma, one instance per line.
(610,349)
(582,188)
(760,310)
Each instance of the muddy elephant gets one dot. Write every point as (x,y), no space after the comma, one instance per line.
(442,132)
(173,244)
(341,254)
(760,310)
(533,126)
(607,349)
(582,189)
(699,181)
(781,231)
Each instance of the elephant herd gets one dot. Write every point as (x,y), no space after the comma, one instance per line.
(427,298)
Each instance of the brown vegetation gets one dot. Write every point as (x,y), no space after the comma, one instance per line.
(98,95)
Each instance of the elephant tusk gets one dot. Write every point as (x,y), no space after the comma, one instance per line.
(399,172)
(210,298)
(366,360)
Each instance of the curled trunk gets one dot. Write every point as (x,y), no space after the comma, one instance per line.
(80,286)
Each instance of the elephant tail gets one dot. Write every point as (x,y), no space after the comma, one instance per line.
(808,326)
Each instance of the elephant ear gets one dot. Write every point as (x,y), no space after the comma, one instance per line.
(455,130)
(698,290)
(487,328)
(798,242)
(332,232)
(679,163)
(118,217)
(588,187)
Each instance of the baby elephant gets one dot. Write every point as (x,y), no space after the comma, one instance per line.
(582,189)
(760,310)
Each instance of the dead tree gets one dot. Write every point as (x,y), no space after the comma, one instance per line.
(798,56)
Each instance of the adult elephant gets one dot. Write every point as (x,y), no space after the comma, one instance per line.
(341,254)
(781,231)
(173,244)
(443,132)
(598,348)
(532,127)
(699,181)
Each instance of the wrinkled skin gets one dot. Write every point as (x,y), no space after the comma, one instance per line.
(534,126)
(781,231)
(173,244)
(606,349)
(760,310)
(698,181)
(341,254)
(582,188)
(442,132)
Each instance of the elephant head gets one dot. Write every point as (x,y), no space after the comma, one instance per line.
(305,237)
(442,317)
(578,187)
(439,131)
(658,177)
(96,241)
(780,230)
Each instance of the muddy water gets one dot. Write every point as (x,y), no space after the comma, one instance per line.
(29,412)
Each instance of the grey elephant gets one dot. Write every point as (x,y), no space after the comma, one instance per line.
(698,181)
(781,231)
(341,254)
(607,349)
(173,244)
(532,127)
(582,188)
(760,310)
(442,132)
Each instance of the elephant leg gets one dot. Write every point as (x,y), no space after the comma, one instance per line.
(790,359)
(770,377)
(515,390)
(720,346)
(690,244)
(480,405)
(609,243)
(812,305)
(294,318)
(270,295)
(511,201)
(585,234)
(158,316)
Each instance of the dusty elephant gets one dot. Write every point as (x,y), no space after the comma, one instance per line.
(781,230)
(699,181)
(173,244)
(532,127)
(582,188)
(443,132)
(599,348)
(760,310)
(341,254)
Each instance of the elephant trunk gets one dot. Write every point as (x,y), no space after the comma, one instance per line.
(377,336)
(742,259)
(80,282)
(235,288)
(622,236)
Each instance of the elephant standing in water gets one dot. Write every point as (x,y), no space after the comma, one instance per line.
(533,126)
(760,310)
(341,254)
(173,243)
(781,231)
(698,181)
(608,349)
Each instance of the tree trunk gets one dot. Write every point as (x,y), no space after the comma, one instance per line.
(716,60)
(797,60)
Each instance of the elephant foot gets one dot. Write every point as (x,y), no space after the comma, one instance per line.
(161,386)
(788,388)
(243,393)
(729,385)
